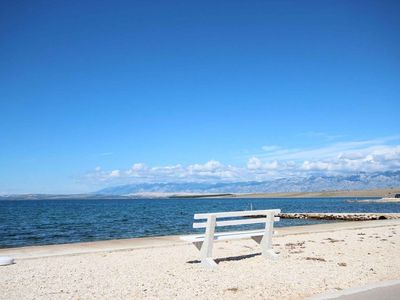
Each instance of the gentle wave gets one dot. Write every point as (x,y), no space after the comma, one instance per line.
(40,222)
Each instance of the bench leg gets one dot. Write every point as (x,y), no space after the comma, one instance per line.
(207,245)
(270,254)
(265,241)
(209,263)
(206,261)
(266,250)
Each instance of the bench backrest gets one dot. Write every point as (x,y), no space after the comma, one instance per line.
(264,216)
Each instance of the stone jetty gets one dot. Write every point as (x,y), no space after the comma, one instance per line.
(382,200)
(341,216)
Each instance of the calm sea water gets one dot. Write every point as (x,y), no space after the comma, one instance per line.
(39,222)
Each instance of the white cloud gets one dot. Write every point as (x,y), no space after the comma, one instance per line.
(114,173)
(320,135)
(209,171)
(315,166)
(136,170)
(338,158)
(254,163)
(210,166)
(350,155)
(329,150)
(270,148)
(138,167)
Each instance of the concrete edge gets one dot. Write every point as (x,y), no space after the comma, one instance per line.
(355,290)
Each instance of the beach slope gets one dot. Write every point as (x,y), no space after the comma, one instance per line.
(314,259)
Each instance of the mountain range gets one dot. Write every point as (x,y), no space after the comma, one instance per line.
(359,181)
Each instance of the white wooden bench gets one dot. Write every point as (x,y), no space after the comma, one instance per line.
(204,242)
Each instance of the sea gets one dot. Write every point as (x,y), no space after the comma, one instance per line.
(42,222)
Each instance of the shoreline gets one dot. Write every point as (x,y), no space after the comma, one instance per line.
(314,259)
(374,193)
(28,252)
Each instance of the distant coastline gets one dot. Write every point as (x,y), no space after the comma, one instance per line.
(322,194)
(318,194)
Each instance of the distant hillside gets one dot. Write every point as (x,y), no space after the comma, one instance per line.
(360,181)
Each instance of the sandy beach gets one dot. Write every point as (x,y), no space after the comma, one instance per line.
(314,259)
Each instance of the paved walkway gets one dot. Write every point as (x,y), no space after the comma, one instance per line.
(382,293)
(389,290)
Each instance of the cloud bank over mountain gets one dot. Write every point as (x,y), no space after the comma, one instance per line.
(271,164)
(295,184)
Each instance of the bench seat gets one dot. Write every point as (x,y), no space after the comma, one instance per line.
(221,236)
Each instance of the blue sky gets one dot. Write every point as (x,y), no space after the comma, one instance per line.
(97,93)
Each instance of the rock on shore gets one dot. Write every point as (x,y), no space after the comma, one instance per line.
(341,216)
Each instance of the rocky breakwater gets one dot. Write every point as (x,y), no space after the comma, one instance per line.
(382,200)
(341,216)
